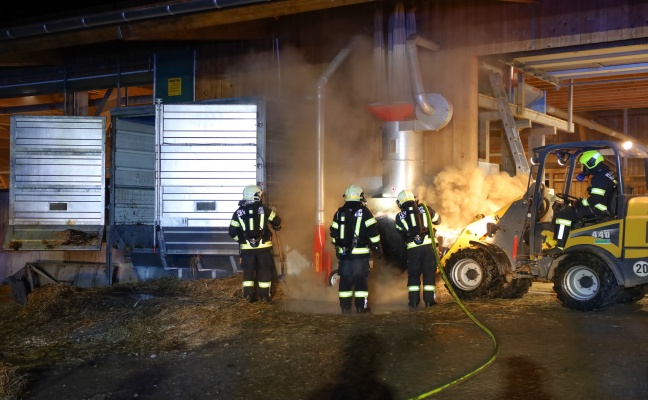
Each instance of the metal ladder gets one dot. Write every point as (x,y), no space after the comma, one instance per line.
(512,133)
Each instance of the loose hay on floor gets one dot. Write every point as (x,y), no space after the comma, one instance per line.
(162,315)
(12,383)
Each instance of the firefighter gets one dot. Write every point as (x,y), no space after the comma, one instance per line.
(354,233)
(250,228)
(413,222)
(602,185)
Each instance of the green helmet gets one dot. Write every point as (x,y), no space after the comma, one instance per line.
(252,193)
(353,193)
(590,158)
(404,196)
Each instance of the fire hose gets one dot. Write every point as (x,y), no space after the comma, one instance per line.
(282,259)
(496,346)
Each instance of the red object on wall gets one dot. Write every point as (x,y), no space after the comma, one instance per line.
(392,112)
(321,258)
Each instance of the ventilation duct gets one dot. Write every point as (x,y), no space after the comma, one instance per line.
(405,108)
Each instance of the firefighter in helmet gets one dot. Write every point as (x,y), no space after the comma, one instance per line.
(250,228)
(602,185)
(354,233)
(414,223)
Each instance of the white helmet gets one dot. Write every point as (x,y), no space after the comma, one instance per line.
(353,193)
(404,196)
(252,193)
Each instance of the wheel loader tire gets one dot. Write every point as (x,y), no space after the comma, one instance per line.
(514,289)
(632,295)
(473,274)
(584,282)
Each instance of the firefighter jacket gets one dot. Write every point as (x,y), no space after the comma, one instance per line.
(412,223)
(602,187)
(354,231)
(249,226)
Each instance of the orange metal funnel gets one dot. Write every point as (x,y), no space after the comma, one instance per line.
(392,112)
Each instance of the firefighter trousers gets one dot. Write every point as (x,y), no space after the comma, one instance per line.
(354,274)
(421,261)
(257,268)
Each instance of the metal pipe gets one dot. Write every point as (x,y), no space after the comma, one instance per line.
(137,14)
(321,86)
(321,258)
(589,124)
(415,71)
(159,114)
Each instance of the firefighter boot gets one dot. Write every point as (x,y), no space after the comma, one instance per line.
(414,300)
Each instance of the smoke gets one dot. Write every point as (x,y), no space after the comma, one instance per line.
(352,156)
(462,195)
(459,194)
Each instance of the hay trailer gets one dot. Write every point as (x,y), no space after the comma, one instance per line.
(176,175)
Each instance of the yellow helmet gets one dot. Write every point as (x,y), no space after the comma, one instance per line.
(353,193)
(404,196)
(252,193)
(590,158)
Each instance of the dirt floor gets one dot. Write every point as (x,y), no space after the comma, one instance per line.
(198,340)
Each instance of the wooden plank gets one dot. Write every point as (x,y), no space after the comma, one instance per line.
(147,29)
(253,12)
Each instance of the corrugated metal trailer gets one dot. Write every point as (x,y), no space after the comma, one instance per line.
(177,172)
(57,188)
(177,175)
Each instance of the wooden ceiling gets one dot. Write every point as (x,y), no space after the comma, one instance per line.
(602,77)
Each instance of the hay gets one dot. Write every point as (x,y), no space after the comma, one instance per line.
(12,383)
(155,316)
(62,325)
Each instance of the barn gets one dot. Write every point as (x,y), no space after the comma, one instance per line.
(129,129)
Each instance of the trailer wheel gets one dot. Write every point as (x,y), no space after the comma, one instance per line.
(514,289)
(334,278)
(473,274)
(584,282)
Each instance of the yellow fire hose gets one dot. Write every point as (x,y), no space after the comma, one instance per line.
(472,317)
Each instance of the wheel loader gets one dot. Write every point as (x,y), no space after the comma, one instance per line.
(605,258)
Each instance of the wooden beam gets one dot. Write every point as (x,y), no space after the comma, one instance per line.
(540,118)
(254,12)
(168,25)
(544,131)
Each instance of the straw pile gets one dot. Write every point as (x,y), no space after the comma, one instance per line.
(62,323)
(11,382)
